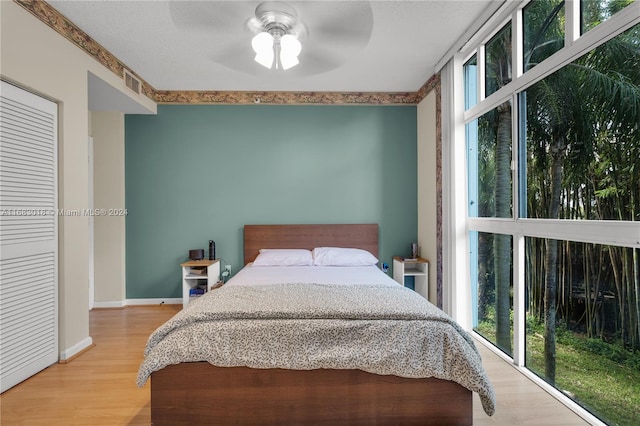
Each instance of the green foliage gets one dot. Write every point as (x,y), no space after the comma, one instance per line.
(614,352)
(498,60)
(603,377)
(543,30)
(582,136)
(597,11)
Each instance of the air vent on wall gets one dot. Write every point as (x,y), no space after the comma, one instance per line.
(131,82)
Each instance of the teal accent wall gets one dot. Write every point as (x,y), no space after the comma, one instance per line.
(200,172)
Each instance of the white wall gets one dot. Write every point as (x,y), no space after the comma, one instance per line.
(107,129)
(427,191)
(37,58)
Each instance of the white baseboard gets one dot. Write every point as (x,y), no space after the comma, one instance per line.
(76,349)
(114,304)
(88,341)
(137,302)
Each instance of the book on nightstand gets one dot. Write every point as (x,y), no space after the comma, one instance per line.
(196,292)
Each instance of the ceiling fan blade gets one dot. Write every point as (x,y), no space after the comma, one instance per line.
(254,25)
(348,23)
(238,57)
(210,15)
(317,61)
(345,36)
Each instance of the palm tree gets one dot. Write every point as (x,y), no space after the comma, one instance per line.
(552,124)
(498,53)
(565,111)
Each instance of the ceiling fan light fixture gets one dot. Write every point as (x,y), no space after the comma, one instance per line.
(284,49)
(263,45)
(290,48)
(278,30)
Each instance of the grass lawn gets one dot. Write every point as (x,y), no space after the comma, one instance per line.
(602,377)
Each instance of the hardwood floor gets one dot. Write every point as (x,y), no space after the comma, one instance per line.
(98,387)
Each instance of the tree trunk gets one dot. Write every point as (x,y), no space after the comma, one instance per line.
(486,291)
(551,285)
(551,266)
(502,243)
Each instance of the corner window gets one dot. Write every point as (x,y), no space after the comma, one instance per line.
(582,136)
(492,287)
(543,30)
(586,348)
(489,148)
(563,141)
(471,82)
(594,12)
(498,69)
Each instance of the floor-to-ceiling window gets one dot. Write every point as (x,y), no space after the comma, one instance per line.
(552,128)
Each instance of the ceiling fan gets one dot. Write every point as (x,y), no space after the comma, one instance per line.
(329,32)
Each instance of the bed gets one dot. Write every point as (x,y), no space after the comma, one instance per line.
(328,344)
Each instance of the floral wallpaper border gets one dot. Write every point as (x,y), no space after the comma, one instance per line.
(435,85)
(286,98)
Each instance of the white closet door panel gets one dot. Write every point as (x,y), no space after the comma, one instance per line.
(27,301)
(28,235)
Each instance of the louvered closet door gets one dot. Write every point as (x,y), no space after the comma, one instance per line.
(28,235)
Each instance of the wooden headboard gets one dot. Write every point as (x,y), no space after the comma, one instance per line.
(256,237)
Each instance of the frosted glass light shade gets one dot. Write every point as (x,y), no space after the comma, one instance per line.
(266,46)
(262,44)
(290,48)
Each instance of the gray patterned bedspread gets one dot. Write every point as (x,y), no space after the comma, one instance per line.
(378,329)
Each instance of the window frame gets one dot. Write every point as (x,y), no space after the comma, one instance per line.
(457,225)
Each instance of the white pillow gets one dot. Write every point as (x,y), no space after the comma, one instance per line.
(283,257)
(338,256)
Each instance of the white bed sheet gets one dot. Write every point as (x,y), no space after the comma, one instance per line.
(343,275)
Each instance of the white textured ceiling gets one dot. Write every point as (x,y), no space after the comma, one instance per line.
(352,46)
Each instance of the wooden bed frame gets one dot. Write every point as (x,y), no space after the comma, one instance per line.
(202,394)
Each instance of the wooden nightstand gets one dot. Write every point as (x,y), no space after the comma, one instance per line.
(419,269)
(202,274)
